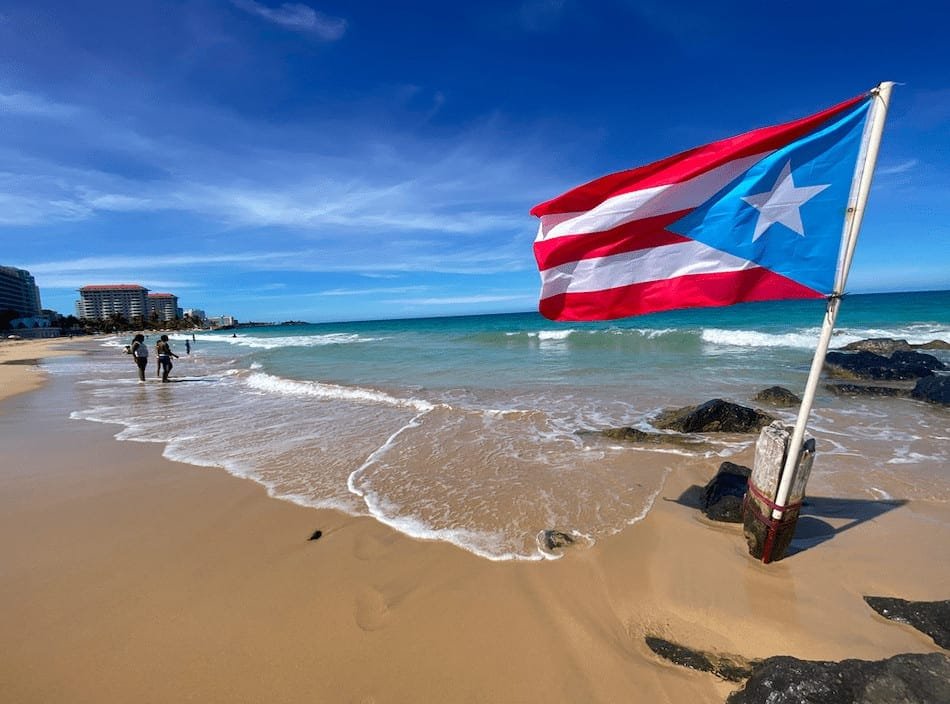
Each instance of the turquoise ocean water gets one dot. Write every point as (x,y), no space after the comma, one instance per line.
(465,429)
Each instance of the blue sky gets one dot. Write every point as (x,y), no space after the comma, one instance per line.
(328,160)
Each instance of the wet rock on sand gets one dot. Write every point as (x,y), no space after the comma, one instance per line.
(554,539)
(930,617)
(628,434)
(728,667)
(915,678)
(777,396)
(933,389)
(910,679)
(715,416)
(721,499)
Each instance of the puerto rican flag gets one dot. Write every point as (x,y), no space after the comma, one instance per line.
(755,217)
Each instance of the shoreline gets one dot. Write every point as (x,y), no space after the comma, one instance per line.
(26,376)
(129,576)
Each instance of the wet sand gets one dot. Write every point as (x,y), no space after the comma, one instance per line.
(127,577)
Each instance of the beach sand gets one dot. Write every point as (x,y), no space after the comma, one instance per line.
(127,577)
(17,371)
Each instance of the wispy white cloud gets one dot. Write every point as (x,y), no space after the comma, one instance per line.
(113,263)
(379,259)
(370,291)
(460,300)
(33,105)
(901,168)
(297,17)
(406,183)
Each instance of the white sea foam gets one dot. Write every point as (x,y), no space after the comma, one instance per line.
(271,343)
(804,339)
(278,385)
(484,544)
(552,335)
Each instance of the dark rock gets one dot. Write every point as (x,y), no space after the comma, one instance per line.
(909,679)
(885,346)
(731,668)
(867,390)
(317,534)
(930,617)
(867,365)
(778,396)
(933,389)
(628,434)
(721,499)
(554,539)
(914,360)
(713,416)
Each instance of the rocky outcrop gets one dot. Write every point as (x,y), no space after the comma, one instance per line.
(866,390)
(554,539)
(930,617)
(915,678)
(777,396)
(715,416)
(901,365)
(886,346)
(933,389)
(722,497)
(628,434)
(727,667)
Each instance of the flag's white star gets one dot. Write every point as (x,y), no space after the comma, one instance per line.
(782,204)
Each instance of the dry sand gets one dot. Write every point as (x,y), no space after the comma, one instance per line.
(17,373)
(129,578)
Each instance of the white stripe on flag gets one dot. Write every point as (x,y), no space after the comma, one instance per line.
(637,267)
(646,203)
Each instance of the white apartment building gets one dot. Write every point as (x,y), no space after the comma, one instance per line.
(101,302)
(164,304)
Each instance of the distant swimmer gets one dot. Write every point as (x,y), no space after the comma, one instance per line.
(165,355)
(139,351)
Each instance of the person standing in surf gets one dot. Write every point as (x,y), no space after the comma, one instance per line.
(139,351)
(165,354)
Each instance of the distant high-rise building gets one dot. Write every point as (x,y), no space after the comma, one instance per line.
(196,313)
(223,321)
(164,304)
(18,292)
(101,302)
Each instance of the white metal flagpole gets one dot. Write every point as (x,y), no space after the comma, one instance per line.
(864,172)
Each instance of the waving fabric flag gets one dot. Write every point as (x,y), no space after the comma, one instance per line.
(755,217)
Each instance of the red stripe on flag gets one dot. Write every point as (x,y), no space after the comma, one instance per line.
(688,164)
(629,237)
(694,291)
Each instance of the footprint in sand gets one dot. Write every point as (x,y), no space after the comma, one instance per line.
(372,611)
(369,546)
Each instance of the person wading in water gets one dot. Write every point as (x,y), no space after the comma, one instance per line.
(165,355)
(139,351)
